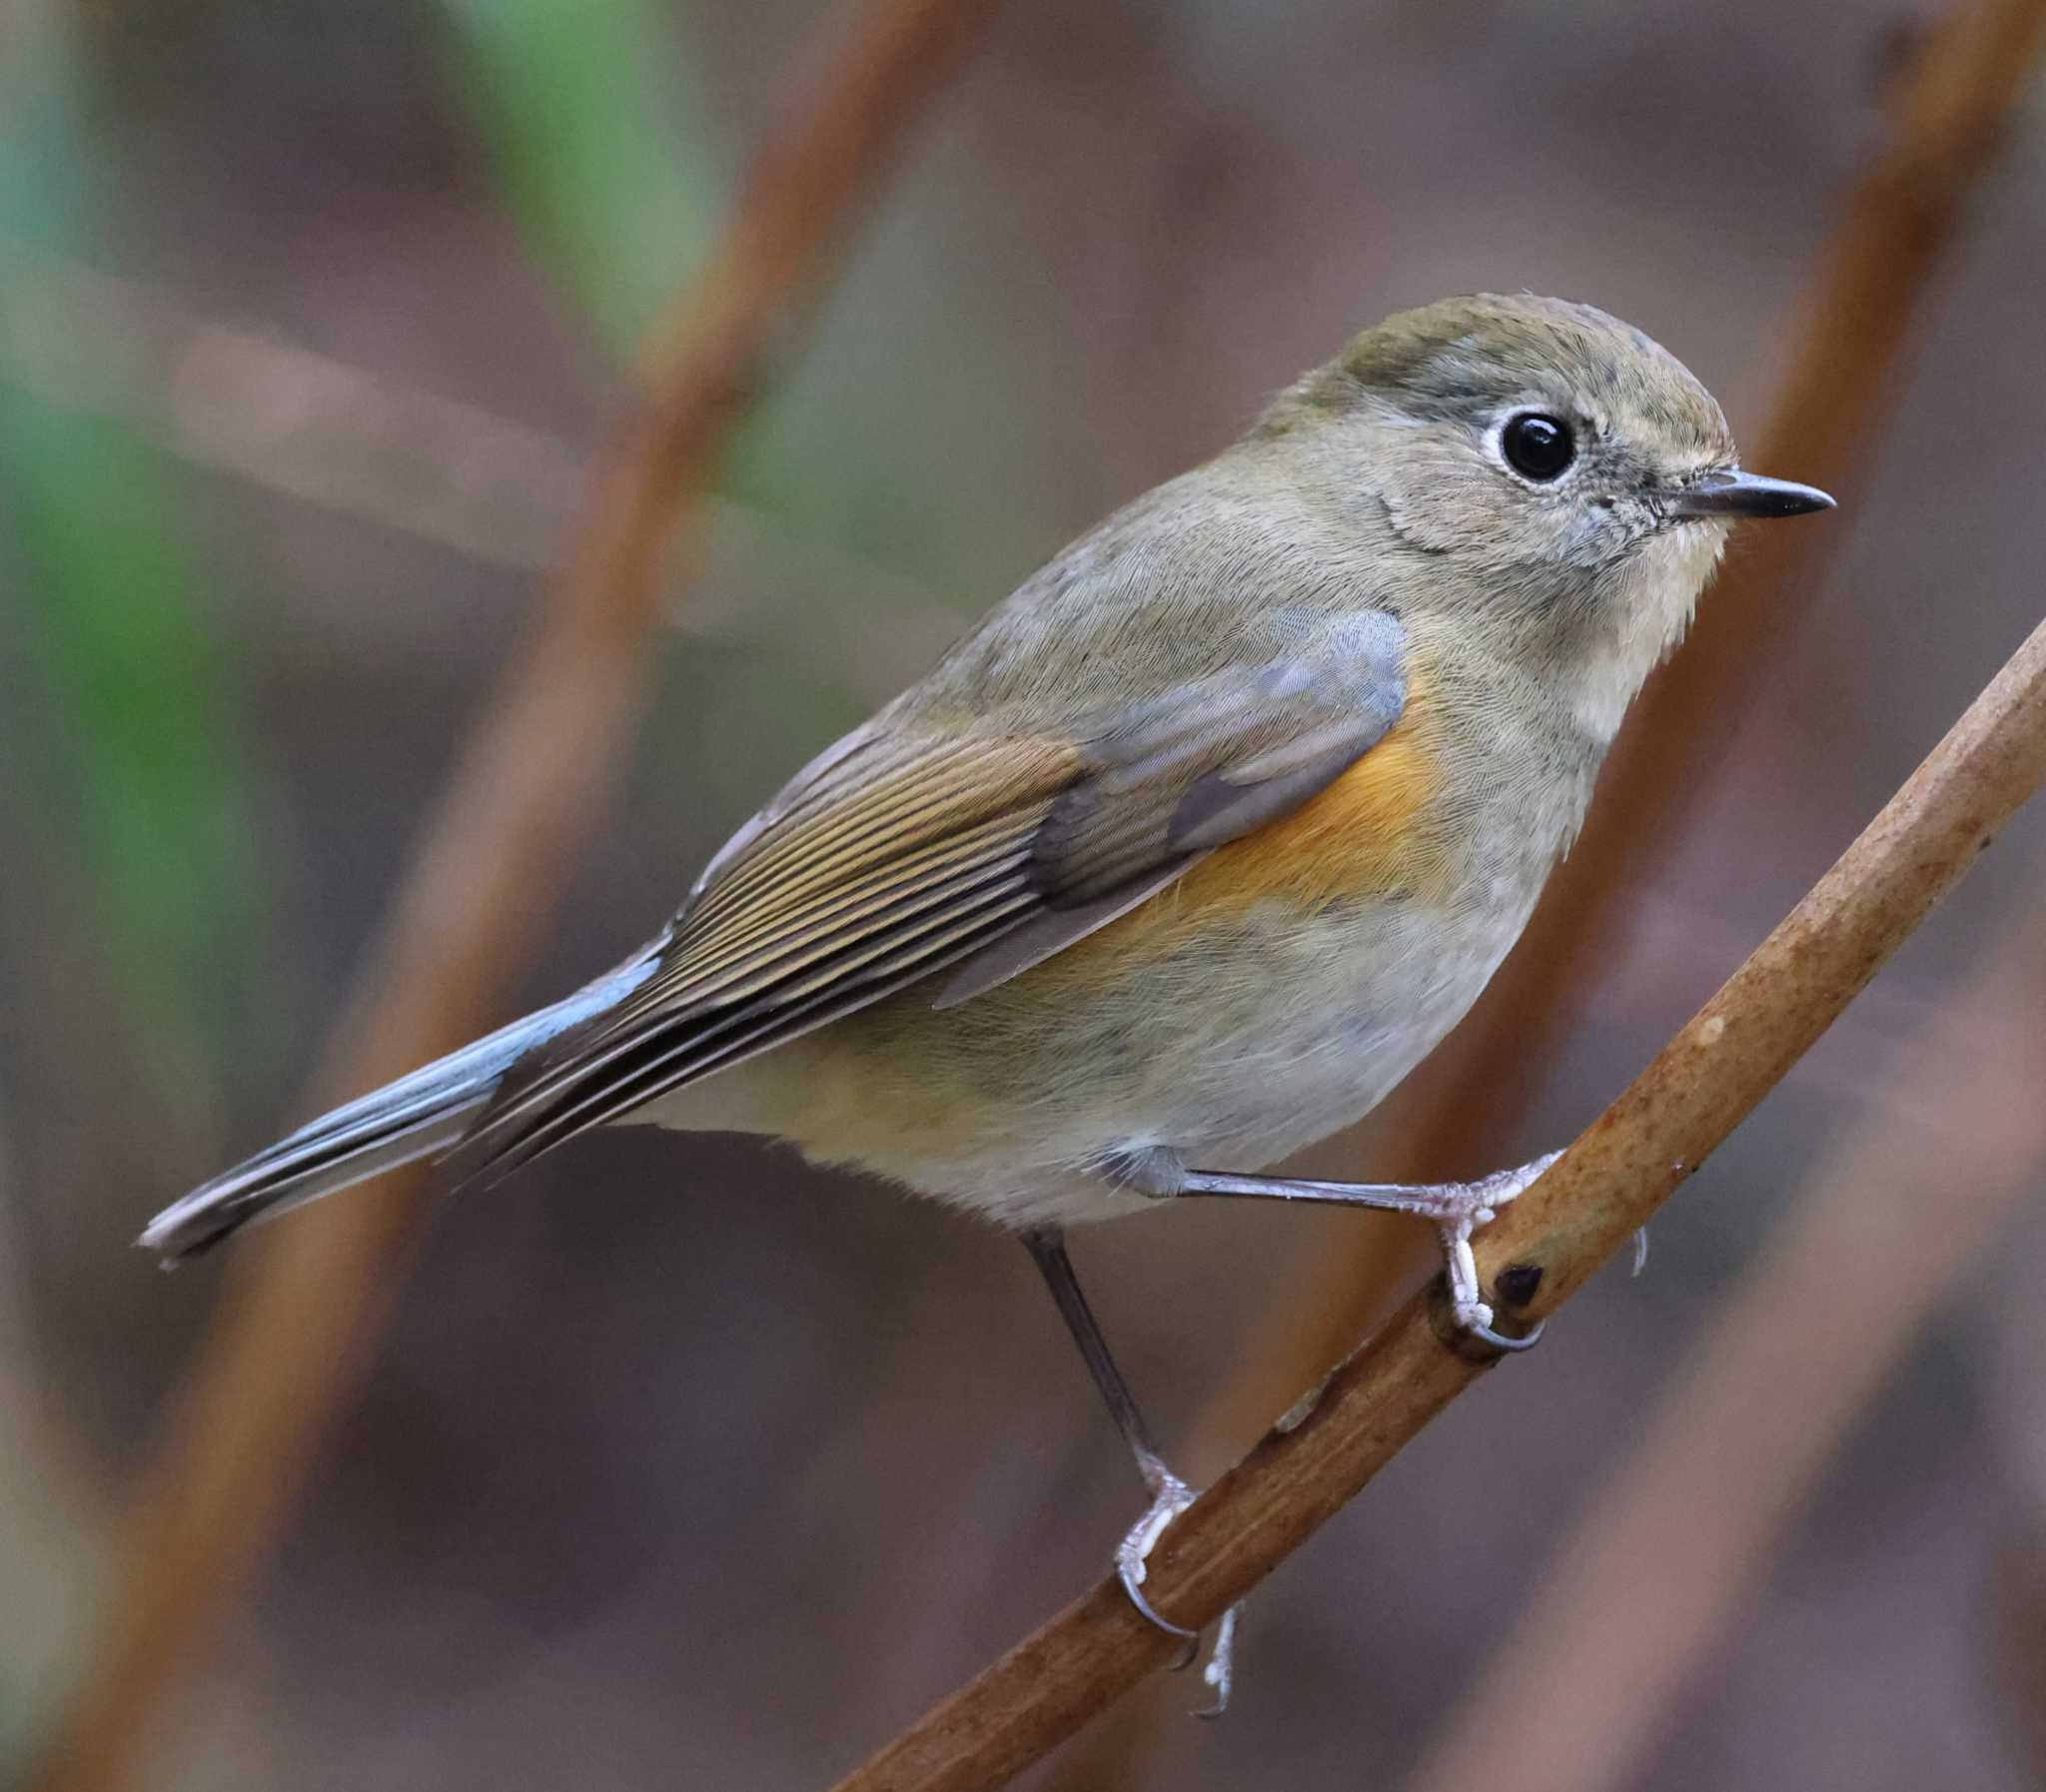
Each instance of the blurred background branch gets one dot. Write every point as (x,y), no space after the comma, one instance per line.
(1348,1425)
(530,789)
(315,429)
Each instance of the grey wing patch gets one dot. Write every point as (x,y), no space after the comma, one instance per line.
(1207,765)
(1223,804)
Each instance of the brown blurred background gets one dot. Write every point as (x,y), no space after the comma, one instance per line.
(681,1464)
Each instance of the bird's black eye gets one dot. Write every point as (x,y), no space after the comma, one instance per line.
(1537,444)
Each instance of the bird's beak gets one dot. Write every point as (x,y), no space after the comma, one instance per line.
(1732,492)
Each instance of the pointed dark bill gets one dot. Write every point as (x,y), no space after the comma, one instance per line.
(1737,493)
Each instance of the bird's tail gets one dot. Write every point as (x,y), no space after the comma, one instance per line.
(422,1114)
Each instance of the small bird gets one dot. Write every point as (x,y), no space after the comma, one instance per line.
(1187,854)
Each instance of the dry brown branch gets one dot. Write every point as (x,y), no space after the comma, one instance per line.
(1662,1560)
(1608,1183)
(1951,107)
(534,779)
(1853,332)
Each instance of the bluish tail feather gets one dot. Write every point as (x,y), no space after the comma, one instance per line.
(418,1116)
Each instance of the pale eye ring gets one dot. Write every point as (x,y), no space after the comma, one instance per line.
(1538,446)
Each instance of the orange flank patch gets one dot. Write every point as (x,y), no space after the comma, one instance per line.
(1365,835)
(1357,838)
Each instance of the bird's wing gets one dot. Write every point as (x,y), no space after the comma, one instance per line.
(981,850)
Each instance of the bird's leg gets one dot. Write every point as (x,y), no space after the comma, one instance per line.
(1457,1210)
(1169,1494)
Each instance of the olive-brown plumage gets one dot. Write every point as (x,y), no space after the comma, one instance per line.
(1198,843)
(1188,853)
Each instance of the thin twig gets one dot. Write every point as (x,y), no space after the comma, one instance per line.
(295,1317)
(1662,1560)
(1854,331)
(1607,1184)
(1873,274)
(1952,106)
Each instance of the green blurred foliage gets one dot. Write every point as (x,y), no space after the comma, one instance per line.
(596,137)
(593,136)
(120,633)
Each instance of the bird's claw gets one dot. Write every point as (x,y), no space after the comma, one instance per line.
(1170,1497)
(1221,1669)
(1469,1312)
(1478,1325)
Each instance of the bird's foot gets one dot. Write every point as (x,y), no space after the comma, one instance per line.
(1461,1209)
(1455,1210)
(1170,1497)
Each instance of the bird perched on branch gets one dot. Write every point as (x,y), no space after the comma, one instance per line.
(1186,855)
